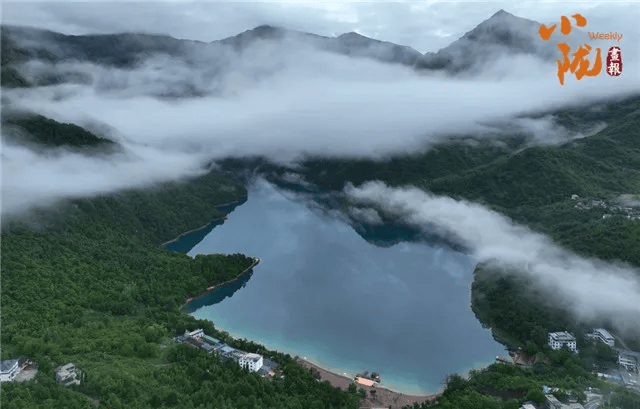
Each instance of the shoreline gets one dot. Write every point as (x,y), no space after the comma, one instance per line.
(310,362)
(382,395)
(256,261)
(181,235)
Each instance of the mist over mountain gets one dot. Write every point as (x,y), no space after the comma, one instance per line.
(21,44)
(281,94)
(500,36)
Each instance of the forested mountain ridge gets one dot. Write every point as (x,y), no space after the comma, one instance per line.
(86,282)
(501,35)
(23,44)
(41,132)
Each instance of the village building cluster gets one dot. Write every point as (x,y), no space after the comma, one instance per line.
(628,361)
(24,369)
(612,209)
(253,362)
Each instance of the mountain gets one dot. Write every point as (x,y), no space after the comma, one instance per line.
(503,34)
(243,40)
(358,45)
(21,44)
(43,134)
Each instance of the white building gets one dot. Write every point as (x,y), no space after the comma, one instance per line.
(601,334)
(68,374)
(197,334)
(252,361)
(8,370)
(630,361)
(563,339)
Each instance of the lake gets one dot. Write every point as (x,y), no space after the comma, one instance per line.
(323,292)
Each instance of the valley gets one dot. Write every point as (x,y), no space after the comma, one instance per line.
(410,215)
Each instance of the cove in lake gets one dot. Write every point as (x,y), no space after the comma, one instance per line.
(323,292)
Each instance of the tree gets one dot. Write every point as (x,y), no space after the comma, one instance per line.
(511,404)
(561,395)
(363,393)
(44,365)
(605,353)
(454,383)
(532,348)
(535,395)
(352,388)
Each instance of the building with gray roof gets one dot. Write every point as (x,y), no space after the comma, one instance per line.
(8,370)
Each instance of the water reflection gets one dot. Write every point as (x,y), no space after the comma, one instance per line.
(323,291)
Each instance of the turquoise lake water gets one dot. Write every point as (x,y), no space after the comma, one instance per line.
(323,292)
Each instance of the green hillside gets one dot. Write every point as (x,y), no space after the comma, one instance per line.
(87,283)
(46,132)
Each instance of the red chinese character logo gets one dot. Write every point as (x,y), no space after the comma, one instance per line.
(614,62)
(579,66)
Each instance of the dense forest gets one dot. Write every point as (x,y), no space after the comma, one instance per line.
(49,133)
(90,292)
(87,282)
(506,386)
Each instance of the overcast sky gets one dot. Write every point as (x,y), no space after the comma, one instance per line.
(424,25)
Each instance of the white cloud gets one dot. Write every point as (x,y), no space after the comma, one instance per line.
(283,101)
(590,287)
(29,179)
(278,100)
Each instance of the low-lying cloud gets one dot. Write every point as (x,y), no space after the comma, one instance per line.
(590,288)
(29,179)
(280,100)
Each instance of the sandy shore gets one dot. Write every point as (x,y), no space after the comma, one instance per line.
(382,397)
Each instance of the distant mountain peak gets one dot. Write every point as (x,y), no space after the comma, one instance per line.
(351,34)
(502,17)
(502,34)
(267,30)
(502,13)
